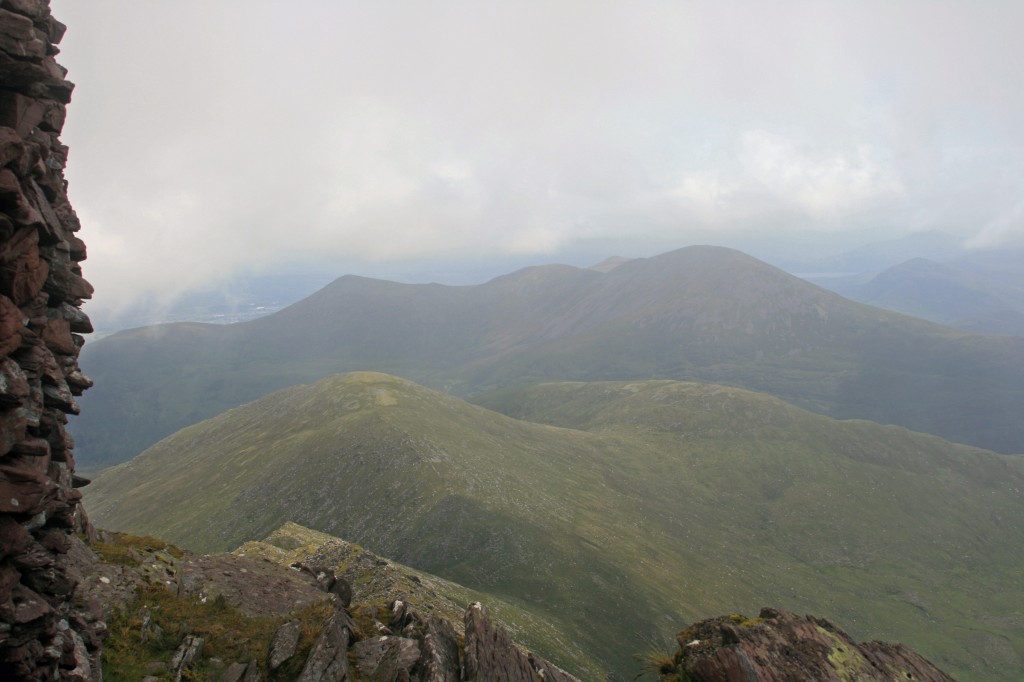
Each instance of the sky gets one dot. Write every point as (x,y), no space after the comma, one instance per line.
(225,138)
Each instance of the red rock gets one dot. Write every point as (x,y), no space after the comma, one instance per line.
(13,537)
(59,395)
(23,492)
(11,323)
(25,606)
(18,37)
(61,445)
(9,577)
(12,147)
(22,271)
(36,448)
(44,80)
(53,119)
(34,556)
(12,429)
(80,322)
(52,231)
(35,313)
(54,31)
(19,659)
(12,197)
(76,247)
(41,288)
(57,336)
(50,370)
(77,381)
(66,214)
(33,9)
(13,383)
(55,541)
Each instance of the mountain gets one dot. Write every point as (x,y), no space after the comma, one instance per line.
(700,313)
(870,259)
(638,505)
(947,294)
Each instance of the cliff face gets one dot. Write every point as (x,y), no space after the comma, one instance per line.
(41,293)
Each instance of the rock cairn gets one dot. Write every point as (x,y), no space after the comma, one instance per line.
(41,293)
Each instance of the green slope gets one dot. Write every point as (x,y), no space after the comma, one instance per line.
(639,506)
(701,313)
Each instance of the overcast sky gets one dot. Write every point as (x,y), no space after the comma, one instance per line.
(221,136)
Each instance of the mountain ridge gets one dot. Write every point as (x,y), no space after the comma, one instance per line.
(696,500)
(700,313)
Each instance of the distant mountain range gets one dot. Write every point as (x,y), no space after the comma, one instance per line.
(870,259)
(633,507)
(700,313)
(982,292)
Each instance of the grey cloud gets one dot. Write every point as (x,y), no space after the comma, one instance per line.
(209,138)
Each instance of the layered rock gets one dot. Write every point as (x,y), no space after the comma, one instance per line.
(353,633)
(41,293)
(779,646)
(491,655)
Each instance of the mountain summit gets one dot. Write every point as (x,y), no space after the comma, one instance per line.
(700,313)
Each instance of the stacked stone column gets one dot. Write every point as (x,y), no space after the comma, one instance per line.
(41,294)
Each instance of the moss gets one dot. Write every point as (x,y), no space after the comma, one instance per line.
(124,548)
(743,621)
(850,666)
(365,615)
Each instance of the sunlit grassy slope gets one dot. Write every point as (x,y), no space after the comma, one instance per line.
(638,507)
(700,313)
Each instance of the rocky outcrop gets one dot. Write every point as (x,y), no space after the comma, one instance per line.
(491,655)
(317,632)
(41,293)
(180,613)
(779,646)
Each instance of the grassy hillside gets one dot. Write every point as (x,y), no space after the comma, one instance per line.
(701,313)
(638,506)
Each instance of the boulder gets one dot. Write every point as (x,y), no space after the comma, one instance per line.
(252,673)
(386,659)
(282,646)
(328,659)
(490,654)
(186,652)
(233,673)
(779,645)
(440,652)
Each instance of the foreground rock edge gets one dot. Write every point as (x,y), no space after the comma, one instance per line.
(326,639)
